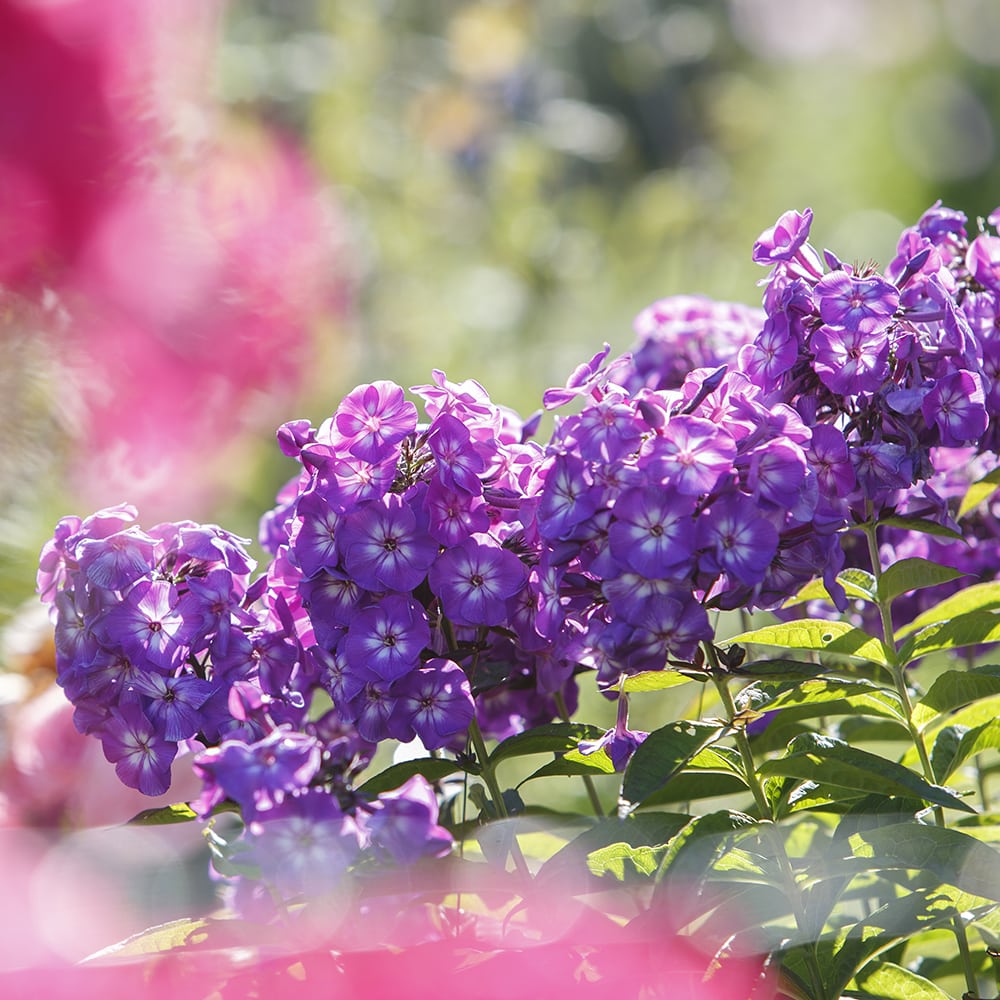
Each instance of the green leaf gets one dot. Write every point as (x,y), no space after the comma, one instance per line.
(432,768)
(654,680)
(952,856)
(913,574)
(611,860)
(891,923)
(693,849)
(556,737)
(978,597)
(979,491)
(858,583)
(973,741)
(573,763)
(662,755)
(694,785)
(921,526)
(891,982)
(971,629)
(179,812)
(779,670)
(827,761)
(956,688)
(819,696)
(820,635)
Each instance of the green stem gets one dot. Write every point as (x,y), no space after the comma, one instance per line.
(595,801)
(768,828)
(898,671)
(489,776)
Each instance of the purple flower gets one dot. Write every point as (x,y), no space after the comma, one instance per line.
(783,240)
(828,457)
(373,418)
(474,580)
(568,497)
(116,561)
(772,354)
(454,515)
(618,743)
(384,549)
(142,757)
(660,627)
(856,303)
(387,640)
(259,775)
(304,844)
(173,702)
(459,463)
(738,540)
(850,362)
(437,701)
(957,407)
(152,624)
(692,454)
(314,537)
(403,825)
(653,532)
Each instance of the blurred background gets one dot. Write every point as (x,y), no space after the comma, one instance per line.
(215,217)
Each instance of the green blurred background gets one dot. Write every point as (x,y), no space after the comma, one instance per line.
(514,181)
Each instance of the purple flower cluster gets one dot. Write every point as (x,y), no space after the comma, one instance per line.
(152,631)
(891,365)
(426,574)
(407,555)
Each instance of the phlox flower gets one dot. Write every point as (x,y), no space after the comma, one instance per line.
(691,454)
(373,418)
(736,539)
(436,701)
(474,579)
(383,546)
(850,362)
(653,532)
(386,640)
(856,303)
(956,405)
(141,755)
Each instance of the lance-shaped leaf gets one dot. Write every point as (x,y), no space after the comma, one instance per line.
(978,597)
(779,670)
(950,855)
(556,737)
(820,635)
(654,680)
(979,491)
(892,982)
(663,754)
(922,526)
(691,852)
(432,768)
(179,812)
(955,689)
(857,583)
(972,629)
(829,761)
(820,696)
(953,754)
(913,574)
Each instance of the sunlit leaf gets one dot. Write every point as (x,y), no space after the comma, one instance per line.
(971,629)
(432,768)
(826,761)
(654,680)
(817,634)
(556,737)
(979,491)
(978,597)
(954,689)
(891,982)
(663,754)
(857,583)
(913,574)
